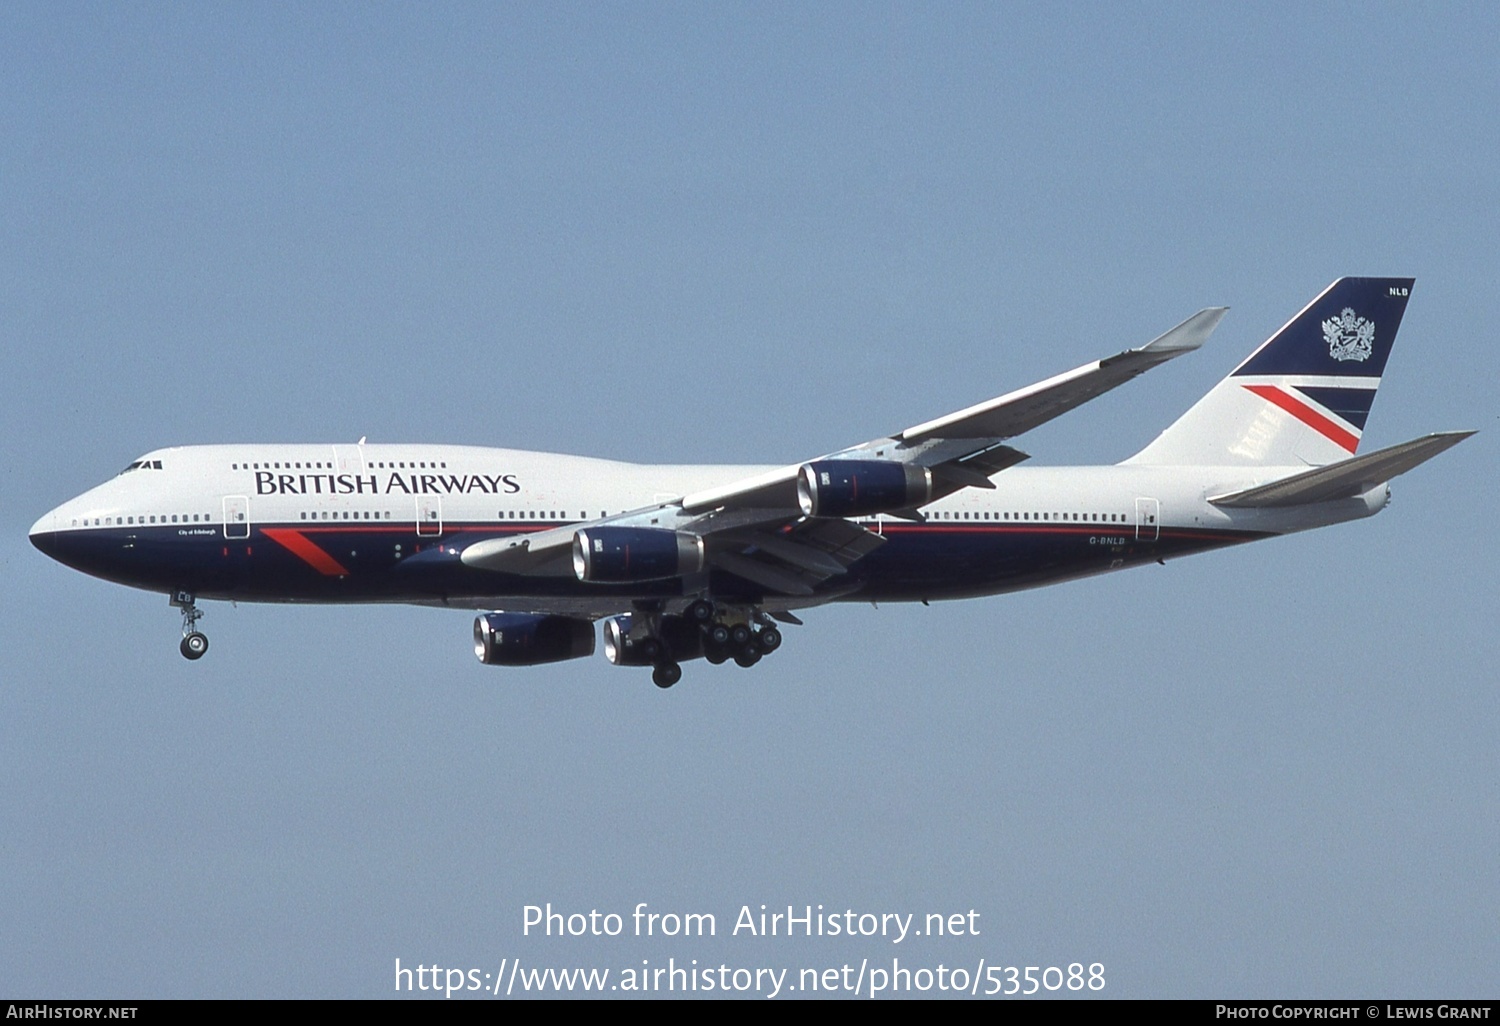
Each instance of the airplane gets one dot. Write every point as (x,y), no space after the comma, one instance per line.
(683,562)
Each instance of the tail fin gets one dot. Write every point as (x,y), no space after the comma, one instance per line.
(1303,397)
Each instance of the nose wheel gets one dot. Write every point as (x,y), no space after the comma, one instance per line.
(194,642)
(194,645)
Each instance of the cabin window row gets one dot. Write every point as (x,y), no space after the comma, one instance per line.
(548,515)
(1025,517)
(320,465)
(545,514)
(324,514)
(150,518)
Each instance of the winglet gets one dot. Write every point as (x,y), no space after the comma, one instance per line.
(1188,335)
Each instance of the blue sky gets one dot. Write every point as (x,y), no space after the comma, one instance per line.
(745,233)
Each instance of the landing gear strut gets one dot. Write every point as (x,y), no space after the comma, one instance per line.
(649,636)
(745,641)
(194,642)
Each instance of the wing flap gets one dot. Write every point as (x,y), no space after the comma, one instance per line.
(841,541)
(758,572)
(1345,479)
(805,556)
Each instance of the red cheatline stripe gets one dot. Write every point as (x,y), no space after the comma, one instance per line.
(1036,527)
(1307,415)
(299,546)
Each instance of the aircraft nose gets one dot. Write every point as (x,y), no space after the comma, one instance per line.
(44,533)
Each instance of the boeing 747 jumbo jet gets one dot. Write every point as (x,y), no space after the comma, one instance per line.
(690,561)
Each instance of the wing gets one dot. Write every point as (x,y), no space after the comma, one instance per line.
(967,446)
(787,531)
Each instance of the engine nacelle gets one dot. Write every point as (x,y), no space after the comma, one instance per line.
(615,554)
(621,650)
(856,488)
(530,639)
(678,640)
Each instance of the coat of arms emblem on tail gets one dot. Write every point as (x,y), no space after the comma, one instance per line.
(1349,336)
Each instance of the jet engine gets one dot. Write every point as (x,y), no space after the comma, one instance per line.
(856,488)
(530,639)
(635,554)
(677,640)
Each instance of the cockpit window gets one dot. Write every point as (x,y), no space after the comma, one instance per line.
(143,465)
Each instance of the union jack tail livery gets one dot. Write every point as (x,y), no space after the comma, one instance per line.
(1302,398)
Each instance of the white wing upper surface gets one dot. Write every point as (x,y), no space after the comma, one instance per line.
(962,436)
(754,528)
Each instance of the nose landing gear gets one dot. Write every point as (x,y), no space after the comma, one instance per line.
(194,642)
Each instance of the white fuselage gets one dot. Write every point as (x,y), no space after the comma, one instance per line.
(402,495)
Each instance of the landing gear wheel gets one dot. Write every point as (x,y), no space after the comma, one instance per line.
(666,674)
(194,645)
(194,641)
(747,659)
(740,635)
(719,635)
(699,612)
(769,639)
(649,649)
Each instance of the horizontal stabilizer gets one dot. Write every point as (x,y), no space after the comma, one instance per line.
(1346,478)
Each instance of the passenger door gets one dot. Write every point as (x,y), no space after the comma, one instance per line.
(236,516)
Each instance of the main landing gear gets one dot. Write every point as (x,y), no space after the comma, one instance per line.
(194,642)
(746,643)
(717,633)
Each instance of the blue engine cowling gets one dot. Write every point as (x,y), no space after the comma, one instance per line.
(677,640)
(635,554)
(856,488)
(530,639)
